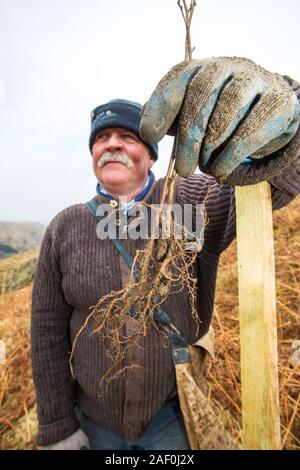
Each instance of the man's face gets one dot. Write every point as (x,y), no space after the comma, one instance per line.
(127,175)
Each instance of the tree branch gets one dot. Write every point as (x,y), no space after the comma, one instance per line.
(187,14)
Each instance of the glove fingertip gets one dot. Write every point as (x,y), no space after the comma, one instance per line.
(186,165)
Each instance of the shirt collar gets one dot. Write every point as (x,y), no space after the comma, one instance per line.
(126,207)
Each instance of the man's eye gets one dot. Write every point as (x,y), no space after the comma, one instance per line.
(129,138)
(101,137)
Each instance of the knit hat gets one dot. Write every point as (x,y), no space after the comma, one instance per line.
(118,113)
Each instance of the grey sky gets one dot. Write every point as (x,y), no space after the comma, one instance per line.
(60,59)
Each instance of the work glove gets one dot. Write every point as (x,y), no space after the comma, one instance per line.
(77,441)
(234,119)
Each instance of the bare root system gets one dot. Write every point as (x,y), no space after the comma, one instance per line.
(162,268)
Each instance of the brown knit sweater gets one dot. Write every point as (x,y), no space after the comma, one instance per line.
(75,269)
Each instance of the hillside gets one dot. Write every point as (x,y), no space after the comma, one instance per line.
(18,422)
(17,271)
(17,237)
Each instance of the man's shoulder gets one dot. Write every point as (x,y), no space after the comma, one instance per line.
(194,177)
(197,183)
(74,214)
(197,180)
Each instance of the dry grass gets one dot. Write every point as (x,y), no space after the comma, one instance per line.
(17,400)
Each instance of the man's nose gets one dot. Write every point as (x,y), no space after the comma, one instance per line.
(113,143)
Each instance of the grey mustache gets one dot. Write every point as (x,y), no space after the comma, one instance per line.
(115,157)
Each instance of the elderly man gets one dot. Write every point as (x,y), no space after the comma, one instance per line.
(225,111)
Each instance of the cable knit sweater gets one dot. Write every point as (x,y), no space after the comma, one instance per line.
(75,269)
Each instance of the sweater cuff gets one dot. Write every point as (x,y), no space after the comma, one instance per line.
(51,433)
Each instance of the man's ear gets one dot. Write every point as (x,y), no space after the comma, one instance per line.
(151,162)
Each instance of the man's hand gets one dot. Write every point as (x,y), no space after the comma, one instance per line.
(226,109)
(77,441)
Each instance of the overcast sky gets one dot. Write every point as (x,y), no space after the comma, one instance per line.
(61,58)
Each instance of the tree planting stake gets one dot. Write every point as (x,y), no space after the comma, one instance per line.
(257,310)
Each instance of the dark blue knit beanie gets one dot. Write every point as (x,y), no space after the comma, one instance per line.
(118,113)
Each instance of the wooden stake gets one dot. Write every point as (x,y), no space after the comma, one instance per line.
(258,326)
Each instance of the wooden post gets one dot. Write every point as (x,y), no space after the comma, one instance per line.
(258,326)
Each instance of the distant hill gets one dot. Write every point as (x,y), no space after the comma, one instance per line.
(17,271)
(17,237)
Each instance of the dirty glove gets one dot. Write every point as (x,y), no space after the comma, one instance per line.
(77,441)
(225,109)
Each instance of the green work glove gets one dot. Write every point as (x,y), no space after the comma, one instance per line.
(225,110)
